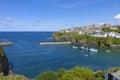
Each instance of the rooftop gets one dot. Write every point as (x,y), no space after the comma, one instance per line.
(116,74)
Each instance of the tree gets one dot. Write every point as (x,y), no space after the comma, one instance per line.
(60,73)
(49,75)
(78,73)
(106,29)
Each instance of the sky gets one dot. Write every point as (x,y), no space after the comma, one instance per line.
(53,15)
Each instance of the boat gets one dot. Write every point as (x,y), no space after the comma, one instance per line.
(74,47)
(108,51)
(93,50)
(86,55)
(83,48)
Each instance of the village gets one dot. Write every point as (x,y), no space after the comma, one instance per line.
(96,30)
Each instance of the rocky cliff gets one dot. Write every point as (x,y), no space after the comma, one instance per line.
(4,66)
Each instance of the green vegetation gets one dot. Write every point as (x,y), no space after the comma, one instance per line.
(99,41)
(12,77)
(3,62)
(49,75)
(65,36)
(77,73)
(107,30)
(111,30)
(1,52)
(86,39)
(113,69)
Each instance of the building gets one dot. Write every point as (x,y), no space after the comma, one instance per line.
(81,32)
(112,75)
(114,35)
(99,34)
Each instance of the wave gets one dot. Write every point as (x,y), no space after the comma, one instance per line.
(19,46)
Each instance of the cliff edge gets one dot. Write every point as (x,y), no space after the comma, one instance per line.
(4,65)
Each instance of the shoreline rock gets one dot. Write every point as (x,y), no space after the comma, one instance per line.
(5,68)
(4,65)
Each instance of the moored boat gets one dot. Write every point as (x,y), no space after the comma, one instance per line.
(86,55)
(83,48)
(93,50)
(108,51)
(75,47)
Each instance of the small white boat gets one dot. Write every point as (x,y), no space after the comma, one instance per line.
(108,51)
(86,55)
(83,48)
(93,50)
(74,47)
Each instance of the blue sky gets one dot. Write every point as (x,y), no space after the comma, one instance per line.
(53,15)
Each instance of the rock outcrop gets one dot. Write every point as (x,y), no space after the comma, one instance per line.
(4,65)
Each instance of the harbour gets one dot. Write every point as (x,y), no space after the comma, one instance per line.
(30,58)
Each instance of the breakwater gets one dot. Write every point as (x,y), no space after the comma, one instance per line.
(5,43)
(54,43)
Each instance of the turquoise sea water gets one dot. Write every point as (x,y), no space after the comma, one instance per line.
(30,59)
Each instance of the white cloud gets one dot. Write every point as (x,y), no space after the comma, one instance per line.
(8,18)
(117,17)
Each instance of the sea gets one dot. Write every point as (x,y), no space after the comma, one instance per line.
(29,58)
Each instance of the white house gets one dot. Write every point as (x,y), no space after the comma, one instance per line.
(81,32)
(114,34)
(69,30)
(99,34)
(111,34)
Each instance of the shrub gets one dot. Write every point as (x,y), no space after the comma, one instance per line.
(12,77)
(49,75)
(78,73)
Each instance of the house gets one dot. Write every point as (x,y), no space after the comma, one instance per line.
(117,35)
(99,34)
(103,34)
(114,34)
(111,34)
(68,30)
(112,75)
(80,32)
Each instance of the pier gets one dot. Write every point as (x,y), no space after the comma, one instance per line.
(54,43)
(5,43)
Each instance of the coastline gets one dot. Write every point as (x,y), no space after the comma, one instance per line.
(87,40)
(48,55)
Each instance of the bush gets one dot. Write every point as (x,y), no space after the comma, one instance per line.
(78,73)
(49,75)
(99,74)
(12,77)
